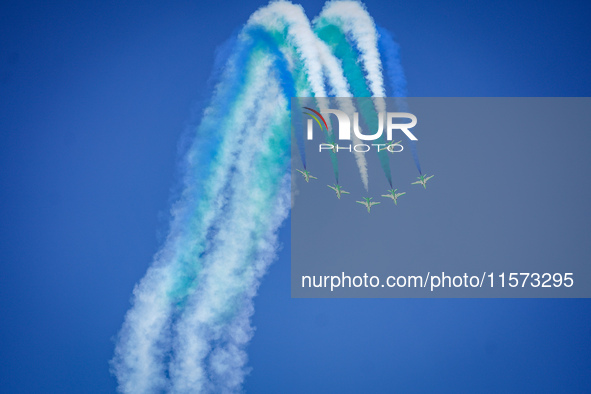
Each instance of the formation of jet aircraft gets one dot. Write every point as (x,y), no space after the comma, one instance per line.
(422,180)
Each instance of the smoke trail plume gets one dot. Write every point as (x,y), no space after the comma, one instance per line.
(189,322)
(391,51)
(351,33)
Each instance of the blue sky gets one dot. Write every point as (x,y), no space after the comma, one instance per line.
(95,99)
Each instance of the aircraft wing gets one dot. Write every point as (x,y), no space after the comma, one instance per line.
(429,177)
(416,183)
(313,177)
(374,203)
(300,171)
(400,194)
(360,202)
(333,188)
(387,195)
(342,191)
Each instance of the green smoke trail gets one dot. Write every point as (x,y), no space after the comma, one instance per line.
(279,39)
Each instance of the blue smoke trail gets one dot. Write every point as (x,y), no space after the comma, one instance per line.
(390,51)
(395,73)
(273,42)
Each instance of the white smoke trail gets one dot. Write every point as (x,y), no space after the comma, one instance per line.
(145,337)
(285,15)
(354,20)
(227,279)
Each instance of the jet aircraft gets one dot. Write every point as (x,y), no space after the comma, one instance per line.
(339,190)
(306,175)
(393,195)
(422,180)
(368,203)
